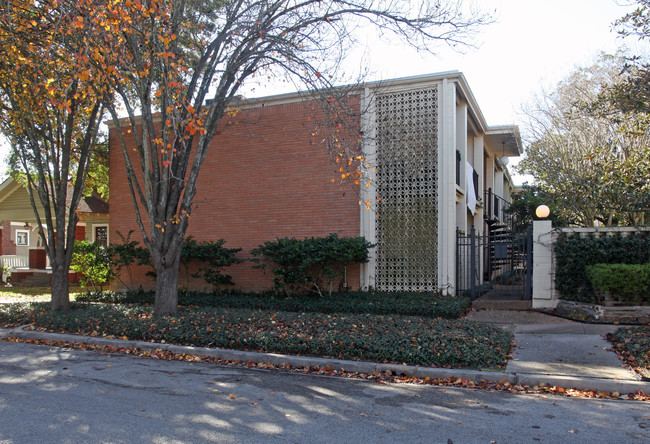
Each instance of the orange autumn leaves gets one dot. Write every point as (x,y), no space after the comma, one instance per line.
(43,80)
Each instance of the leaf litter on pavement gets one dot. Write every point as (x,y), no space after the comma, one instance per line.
(386,377)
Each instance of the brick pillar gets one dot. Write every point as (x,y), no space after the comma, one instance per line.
(8,246)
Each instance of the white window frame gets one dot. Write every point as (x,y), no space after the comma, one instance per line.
(26,233)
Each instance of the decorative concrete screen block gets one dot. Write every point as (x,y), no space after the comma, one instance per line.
(407,183)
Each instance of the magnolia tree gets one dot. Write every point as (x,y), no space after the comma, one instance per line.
(51,115)
(633,93)
(590,158)
(176,68)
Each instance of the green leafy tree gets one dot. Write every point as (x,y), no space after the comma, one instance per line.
(633,93)
(590,159)
(94,263)
(524,204)
(97,178)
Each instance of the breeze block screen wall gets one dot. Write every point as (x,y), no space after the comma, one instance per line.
(407,183)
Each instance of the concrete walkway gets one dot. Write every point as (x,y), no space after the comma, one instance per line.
(547,350)
(562,352)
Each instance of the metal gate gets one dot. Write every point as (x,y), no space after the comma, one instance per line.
(498,263)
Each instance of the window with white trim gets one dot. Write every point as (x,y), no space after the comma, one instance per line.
(100,235)
(22,238)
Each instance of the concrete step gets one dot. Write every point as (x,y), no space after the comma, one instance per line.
(30,279)
(495,304)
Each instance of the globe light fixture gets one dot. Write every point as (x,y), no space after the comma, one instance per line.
(542,211)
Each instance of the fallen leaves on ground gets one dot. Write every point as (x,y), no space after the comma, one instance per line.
(632,345)
(411,340)
(387,377)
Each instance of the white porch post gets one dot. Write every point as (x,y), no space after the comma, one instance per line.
(447,188)
(479,166)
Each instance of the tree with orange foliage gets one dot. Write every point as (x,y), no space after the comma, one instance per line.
(50,112)
(180,66)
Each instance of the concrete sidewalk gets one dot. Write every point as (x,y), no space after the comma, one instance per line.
(547,350)
(562,352)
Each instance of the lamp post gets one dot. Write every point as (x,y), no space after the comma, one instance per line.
(542,211)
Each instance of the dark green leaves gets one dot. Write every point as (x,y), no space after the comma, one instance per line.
(313,263)
(575,253)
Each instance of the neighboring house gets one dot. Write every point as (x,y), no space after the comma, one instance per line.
(430,152)
(20,244)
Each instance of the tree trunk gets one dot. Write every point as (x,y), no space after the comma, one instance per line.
(60,289)
(166,303)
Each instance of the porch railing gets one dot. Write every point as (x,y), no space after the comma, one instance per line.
(13,261)
(496,208)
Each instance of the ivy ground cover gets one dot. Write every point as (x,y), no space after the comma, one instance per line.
(381,303)
(633,345)
(411,340)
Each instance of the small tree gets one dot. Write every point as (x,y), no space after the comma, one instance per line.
(94,263)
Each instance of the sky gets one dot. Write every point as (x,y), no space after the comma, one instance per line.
(532,45)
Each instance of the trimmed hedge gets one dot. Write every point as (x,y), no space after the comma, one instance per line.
(399,303)
(574,253)
(624,283)
(400,339)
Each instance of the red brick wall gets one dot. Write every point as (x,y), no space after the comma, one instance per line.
(8,246)
(267,175)
(80,232)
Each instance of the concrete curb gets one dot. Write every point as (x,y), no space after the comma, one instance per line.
(580,383)
(266,358)
(583,383)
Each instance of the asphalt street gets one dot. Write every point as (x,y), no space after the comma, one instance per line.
(57,395)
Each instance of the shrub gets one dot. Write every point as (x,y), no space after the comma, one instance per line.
(310,264)
(99,265)
(213,256)
(126,254)
(629,284)
(574,253)
(94,263)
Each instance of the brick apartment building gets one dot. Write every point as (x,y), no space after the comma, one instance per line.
(271,174)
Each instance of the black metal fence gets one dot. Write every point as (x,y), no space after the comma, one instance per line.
(500,262)
(497,209)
